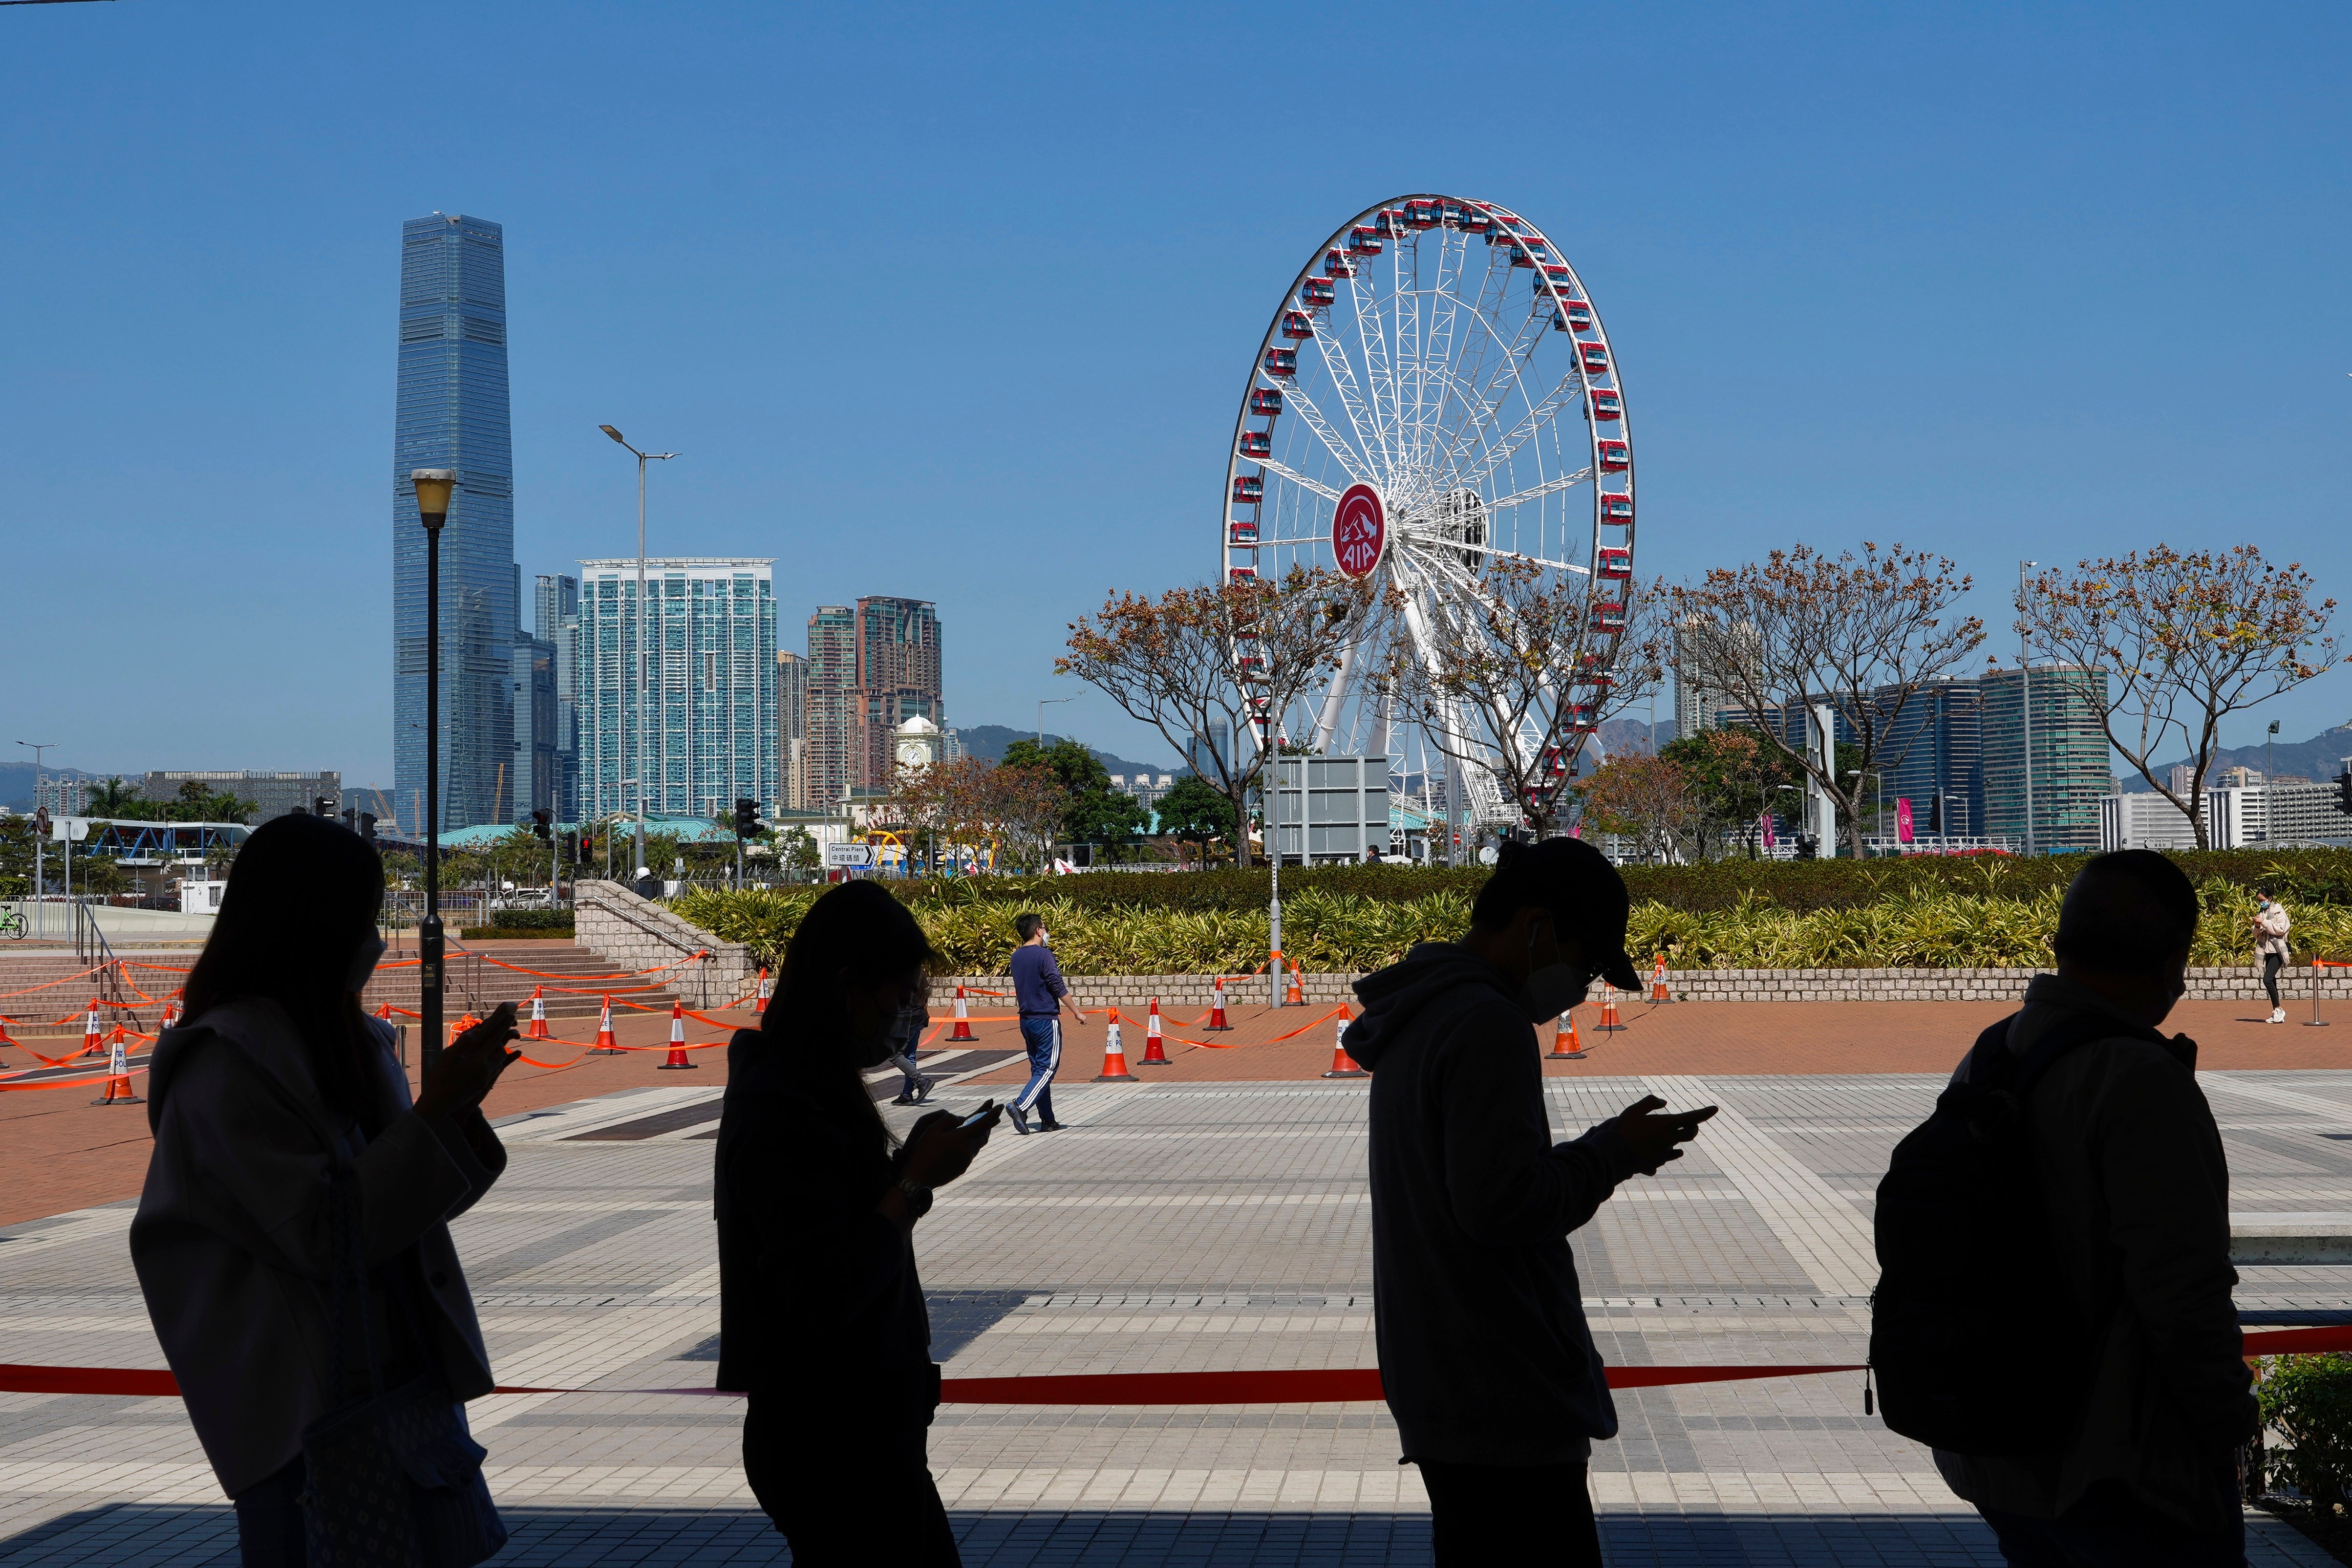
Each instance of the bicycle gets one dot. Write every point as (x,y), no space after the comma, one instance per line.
(12,924)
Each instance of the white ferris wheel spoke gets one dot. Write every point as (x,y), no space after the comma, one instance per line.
(1301,480)
(1342,371)
(1536,492)
(1349,459)
(1536,417)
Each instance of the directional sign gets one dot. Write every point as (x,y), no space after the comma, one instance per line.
(848,857)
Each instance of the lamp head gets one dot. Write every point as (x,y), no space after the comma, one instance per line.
(615,435)
(432,488)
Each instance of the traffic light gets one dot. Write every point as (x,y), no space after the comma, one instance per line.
(352,818)
(543,824)
(367,826)
(587,845)
(747,818)
(2344,791)
(322,806)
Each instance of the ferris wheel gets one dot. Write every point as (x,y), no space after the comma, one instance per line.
(1435,391)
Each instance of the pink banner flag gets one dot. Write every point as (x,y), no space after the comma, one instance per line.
(1765,819)
(1903,819)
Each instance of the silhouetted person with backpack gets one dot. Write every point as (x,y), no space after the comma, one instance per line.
(1486,1359)
(2053,1314)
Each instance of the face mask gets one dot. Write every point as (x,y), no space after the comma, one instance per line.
(364,962)
(1551,989)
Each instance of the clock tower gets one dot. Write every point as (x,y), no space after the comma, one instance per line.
(915,745)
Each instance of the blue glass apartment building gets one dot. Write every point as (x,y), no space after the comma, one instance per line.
(452,413)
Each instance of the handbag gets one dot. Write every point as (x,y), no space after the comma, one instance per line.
(394,1479)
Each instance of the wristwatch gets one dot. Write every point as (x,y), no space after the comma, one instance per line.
(918,1198)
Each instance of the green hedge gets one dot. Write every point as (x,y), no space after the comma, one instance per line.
(2302,876)
(1914,927)
(531,920)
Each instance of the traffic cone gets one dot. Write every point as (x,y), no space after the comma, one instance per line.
(172,1015)
(1610,1023)
(962,1030)
(1565,1045)
(118,1072)
(605,1045)
(90,1043)
(538,1030)
(1154,1053)
(676,1038)
(1297,995)
(1217,1008)
(1342,1064)
(767,989)
(1658,983)
(461,1026)
(1114,1058)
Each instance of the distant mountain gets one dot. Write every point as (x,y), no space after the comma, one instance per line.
(16,783)
(2321,758)
(989,740)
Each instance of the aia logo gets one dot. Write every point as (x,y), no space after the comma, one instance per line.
(1359,530)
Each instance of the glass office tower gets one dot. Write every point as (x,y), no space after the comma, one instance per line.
(708,733)
(557,621)
(2071,774)
(1933,756)
(451,413)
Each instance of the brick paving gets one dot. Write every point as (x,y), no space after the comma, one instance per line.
(1202,1222)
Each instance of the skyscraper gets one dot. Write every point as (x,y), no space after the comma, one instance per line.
(832,764)
(707,735)
(1934,757)
(792,727)
(451,413)
(897,679)
(557,622)
(2071,776)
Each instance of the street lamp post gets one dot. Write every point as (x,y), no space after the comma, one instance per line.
(1043,703)
(432,488)
(40,879)
(642,618)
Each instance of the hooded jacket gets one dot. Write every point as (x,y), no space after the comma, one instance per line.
(2136,1190)
(232,1237)
(1484,1354)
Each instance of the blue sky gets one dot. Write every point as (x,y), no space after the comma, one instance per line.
(958,304)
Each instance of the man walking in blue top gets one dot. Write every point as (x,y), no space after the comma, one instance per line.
(1040,993)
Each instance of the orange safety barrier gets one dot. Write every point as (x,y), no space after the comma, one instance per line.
(2316,1021)
(1155,1055)
(695,957)
(1236,1044)
(1217,1023)
(1342,1064)
(962,1019)
(1610,1023)
(8,1083)
(52,984)
(1565,1047)
(605,1045)
(1114,1057)
(676,1040)
(91,1033)
(1297,995)
(538,1027)
(767,989)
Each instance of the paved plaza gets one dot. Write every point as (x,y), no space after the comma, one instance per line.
(1176,1225)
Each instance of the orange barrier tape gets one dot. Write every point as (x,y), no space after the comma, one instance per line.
(47,985)
(56,1061)
(485,958)
(70,1082)
(167,968)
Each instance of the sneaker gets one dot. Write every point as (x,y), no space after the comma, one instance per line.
(1018,1118)
(2278,1016)
(923,1087)
(902,1099)
(1049,1127)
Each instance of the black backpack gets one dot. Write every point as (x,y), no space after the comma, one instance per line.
(1976,1346)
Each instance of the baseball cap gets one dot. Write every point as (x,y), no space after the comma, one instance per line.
(1576,882)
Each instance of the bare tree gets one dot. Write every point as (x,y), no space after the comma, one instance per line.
(1859,635)
(1643,796)
(1238,654)
(1544,662)
(2187,639)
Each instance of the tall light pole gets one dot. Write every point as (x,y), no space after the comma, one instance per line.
(40,908)
(643,615)
(432,488)
(2025,700)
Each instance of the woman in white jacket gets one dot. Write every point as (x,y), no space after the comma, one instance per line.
(2270,941)
(276,1078)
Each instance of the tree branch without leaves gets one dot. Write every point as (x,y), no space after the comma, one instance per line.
(2186,639)
(1858,634)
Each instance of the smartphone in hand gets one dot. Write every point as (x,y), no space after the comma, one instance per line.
(976,1117)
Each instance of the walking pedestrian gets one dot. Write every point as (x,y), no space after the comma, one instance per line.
(2271,923)
(907,1037)
(821,1314)
(292,1240)
(2129,1344)
(1486,1358)
(1039,996)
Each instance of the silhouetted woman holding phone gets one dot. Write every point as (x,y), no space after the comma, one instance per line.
(292,1240)
(821,1315)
